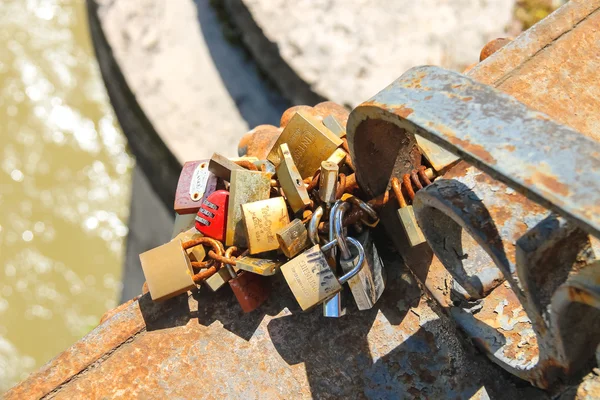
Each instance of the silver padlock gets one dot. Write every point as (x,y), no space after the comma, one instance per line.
(368,285)
(332,308)
(310,277)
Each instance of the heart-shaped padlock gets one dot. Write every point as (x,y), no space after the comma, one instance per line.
(210,220)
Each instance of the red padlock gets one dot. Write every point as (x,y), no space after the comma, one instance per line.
(211,217)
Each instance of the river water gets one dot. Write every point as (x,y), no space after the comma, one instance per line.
(64,185)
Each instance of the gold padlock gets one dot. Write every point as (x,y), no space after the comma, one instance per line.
(183,223)
(218,280)
(246,186)
(293,238)
(311,279)
(309,141)
(291,181)
(261,266)
(262,219)
(407,217)
(328,182)
(168,270)
(338,157)
(221,166)
(196,253)
(439,158)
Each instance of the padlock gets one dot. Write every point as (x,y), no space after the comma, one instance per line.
(334,126)
(218,280)
(313,225)
(311,279)
(338,157)
(332,308)
(210,220)
(291,182)
(262,219)
(168,270)
(265,166)
(440,159)
(293,238)
(246,187)
(328,182)
(183,223)
(195,181)
(222,166)
(309,141)
(407,217)
(371,219)
(250,290)
(368,285)
(265,265)
(196,253)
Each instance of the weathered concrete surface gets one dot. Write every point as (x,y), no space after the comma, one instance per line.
(346,51)
(197,90)
(203,346)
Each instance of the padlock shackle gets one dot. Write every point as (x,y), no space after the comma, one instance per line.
(313,225)
(365,207)
(339,230)
(332,213)
(361,260)
(229,267)
(216,246)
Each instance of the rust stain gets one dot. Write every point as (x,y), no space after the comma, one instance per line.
(402,111)
(510,147)
(260,140)
(290,112)
(340,113)
(468,98)
(550,182)
(492,47)
(475,149)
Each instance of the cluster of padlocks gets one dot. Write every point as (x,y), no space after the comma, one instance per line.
(289,203)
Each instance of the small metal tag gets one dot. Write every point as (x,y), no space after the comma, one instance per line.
(199,181)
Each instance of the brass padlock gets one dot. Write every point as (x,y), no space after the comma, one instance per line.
(246,186)
(183,223)
(309,141)
(218,280)
(262,219)
(338,157)
(262,266)
(328,182)
(250,290)
(196,253)
(311,279)
(291,182)
(293,238)
(407,217)
(368,285)
(168,270)
(440,159)
(221,166)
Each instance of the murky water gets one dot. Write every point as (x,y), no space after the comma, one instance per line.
(64,185)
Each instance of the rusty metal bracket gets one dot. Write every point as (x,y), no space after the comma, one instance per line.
(507,270)
(550,163)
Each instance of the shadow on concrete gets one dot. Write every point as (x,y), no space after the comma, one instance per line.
(257,103)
